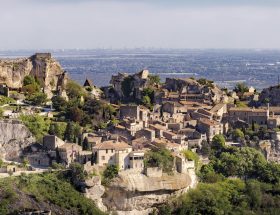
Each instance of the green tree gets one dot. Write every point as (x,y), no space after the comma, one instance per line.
(58,129)
(37,98)
(218,142)
(25,162)
(109,173)
(146,101)
(30,85)
(29,80)
(72,131)
(38,125)
(59,103)
(77,173)
(254,193)
(75,114)
(192,156)
(1,113)
(85,144)
(74,90)
(159,158)
(205,148)
(1,162)
(238,134)
(241,88)
(154,79)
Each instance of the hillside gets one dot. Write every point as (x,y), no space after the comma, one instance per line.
(44,192)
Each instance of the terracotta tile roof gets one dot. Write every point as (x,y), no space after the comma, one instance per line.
(217,107)
(209,122)
(112,145)
(248,110)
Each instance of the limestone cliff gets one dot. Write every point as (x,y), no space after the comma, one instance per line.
(271,95)
(128,87)
(43,66)
(202,88)
(14,137)
(135,193)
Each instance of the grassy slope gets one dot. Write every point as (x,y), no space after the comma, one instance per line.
(45,192)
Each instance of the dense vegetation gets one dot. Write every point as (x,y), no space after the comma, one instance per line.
(236,181)
(109,173)
(159,158)
(40,188)
(6,100)
(231,196)
(38,125)
(32,90)
(82,109)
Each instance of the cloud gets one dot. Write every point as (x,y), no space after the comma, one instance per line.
(119,24)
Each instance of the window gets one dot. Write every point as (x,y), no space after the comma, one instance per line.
(106,151)
(103,157)
(112,150)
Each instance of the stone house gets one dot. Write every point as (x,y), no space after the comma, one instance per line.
(149,134)
(140,143)
(51,142)
(9,169)
(172,107)
(112,153)
(135,112)
(136,160)
(169,135)
(183,164)
(273,122)
(170,145)
(209,127)
(175,126)
(219,110)
(68,153)
(40,159)
(130,111)
(84,157)
(92,139)
(249,115)
(158,129)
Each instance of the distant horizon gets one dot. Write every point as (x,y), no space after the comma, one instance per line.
(141,48)
(120,24)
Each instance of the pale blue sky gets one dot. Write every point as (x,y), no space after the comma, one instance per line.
(39,24)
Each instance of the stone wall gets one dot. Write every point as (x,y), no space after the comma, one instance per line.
(153,172)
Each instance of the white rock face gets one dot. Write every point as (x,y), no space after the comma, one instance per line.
(135,193)
(42,66)
(94,190)
(14,137)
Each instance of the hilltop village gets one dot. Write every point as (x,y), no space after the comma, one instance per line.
(139,141)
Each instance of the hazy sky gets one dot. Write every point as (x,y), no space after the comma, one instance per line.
(39,24)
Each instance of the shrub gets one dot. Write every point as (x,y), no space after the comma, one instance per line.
(160,158)
(109,173)
(38,125)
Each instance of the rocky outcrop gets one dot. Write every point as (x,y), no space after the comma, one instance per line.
(41,65)
(128,87)
(270,95)
(135,193)
(94,190)
(199,89)
(14,138)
